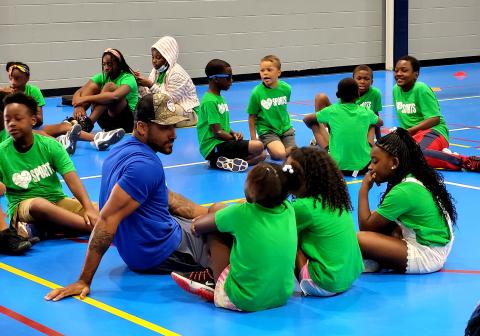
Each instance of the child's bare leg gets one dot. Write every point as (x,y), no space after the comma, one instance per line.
(321,101)
(44,211)
(57,129)
(85,136)
(81,110)
(3,222)
(219,245)
(112,109)
(277,150)
(300,261)
(388,251)
(256,152)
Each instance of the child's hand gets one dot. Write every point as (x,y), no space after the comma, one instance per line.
(238,136)
(3,189)
(144,82)
(137,73)
(91,216)
(368,180)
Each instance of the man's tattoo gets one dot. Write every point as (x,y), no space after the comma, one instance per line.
(181,206)
(100,241)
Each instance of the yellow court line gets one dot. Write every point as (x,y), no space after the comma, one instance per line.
(97,304)
(458,145)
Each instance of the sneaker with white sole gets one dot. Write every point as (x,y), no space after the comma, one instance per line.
(69,140)
(200,283)
(313,142)
(103,140)
(371,266)
(234,165)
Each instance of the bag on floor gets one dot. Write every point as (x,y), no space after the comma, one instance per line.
(67,100)
(473,326)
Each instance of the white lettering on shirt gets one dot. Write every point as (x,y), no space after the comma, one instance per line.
(269,102)
(406,108)
(222,108)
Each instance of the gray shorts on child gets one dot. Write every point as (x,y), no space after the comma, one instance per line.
(287,138)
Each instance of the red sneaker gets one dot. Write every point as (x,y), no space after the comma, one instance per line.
(472,163)
(200,283)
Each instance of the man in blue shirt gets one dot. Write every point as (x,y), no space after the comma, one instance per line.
(149,224)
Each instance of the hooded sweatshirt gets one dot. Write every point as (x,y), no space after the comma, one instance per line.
(177,83)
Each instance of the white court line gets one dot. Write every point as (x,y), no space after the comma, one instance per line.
(460,129)
(462,185)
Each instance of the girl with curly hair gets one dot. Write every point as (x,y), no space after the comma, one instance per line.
(328,257)
(411,231)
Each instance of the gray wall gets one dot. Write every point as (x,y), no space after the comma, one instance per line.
(444,28)
(62,40)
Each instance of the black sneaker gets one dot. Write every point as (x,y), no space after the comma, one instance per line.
(12,243)
(472,163)
(86,123)
(200,283)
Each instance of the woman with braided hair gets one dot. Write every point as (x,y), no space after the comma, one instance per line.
(328,257)
(411,231)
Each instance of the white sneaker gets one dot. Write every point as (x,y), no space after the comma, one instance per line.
(103,140)
(69,140)
(234,165)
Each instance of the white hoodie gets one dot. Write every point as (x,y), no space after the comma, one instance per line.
(177,83)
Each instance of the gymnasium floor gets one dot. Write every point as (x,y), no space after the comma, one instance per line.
(125,303)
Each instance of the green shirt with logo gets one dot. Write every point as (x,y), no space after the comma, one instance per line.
(372,99)
(329,241)
(33,173)
(125,78)
(213,110)
(349,124)
(4,135)
(262,258)
(413,205)
(269,105)
(416,105)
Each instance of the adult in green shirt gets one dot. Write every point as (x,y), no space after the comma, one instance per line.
(328,256)
(418,112)
(29,163)
(349,126)
(411,231)
(112,93)
(257,270)
(219,144)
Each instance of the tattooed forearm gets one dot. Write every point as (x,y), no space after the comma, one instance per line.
(100,241)
(183,207)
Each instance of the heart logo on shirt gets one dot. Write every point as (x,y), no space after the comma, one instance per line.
(266,103)
(22,179)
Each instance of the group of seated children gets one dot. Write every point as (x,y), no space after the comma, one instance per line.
(268,241)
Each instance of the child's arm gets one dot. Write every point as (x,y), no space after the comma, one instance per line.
(76,187)
(105,97)
(204,224)
(39,116)
(319,131)
(220,134)
(251,125)
(424,125)
(368,220)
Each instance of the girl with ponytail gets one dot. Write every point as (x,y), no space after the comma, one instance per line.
(328,257)
(411,231)
(255,272)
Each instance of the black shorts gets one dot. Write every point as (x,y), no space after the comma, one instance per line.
(230,149)
(123,120)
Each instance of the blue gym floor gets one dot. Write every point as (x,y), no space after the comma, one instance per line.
(125,303)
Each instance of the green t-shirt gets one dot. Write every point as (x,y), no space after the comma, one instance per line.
(349,124)
(4,135)
(417,105)
(35,93)
(372,99)
(270,107)
(213,110)
(33,173)
(330,242)
(262,258)
(125,78)
(161,77)
(413,205)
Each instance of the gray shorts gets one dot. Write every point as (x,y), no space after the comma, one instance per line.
(191,255)
(287,138)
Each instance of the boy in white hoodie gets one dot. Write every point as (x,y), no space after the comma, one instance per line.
(167,76)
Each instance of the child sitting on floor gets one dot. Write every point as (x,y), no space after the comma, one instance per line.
(328,256)
(219,144)
(258,272)
(411,231)
(29,163)
(349,125)
(267,109)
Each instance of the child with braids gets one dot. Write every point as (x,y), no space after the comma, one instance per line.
(257,271)
(411,231)
(328,256)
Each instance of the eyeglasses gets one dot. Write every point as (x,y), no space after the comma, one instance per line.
(228,76)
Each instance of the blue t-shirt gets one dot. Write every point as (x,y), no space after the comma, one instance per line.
(150,234)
